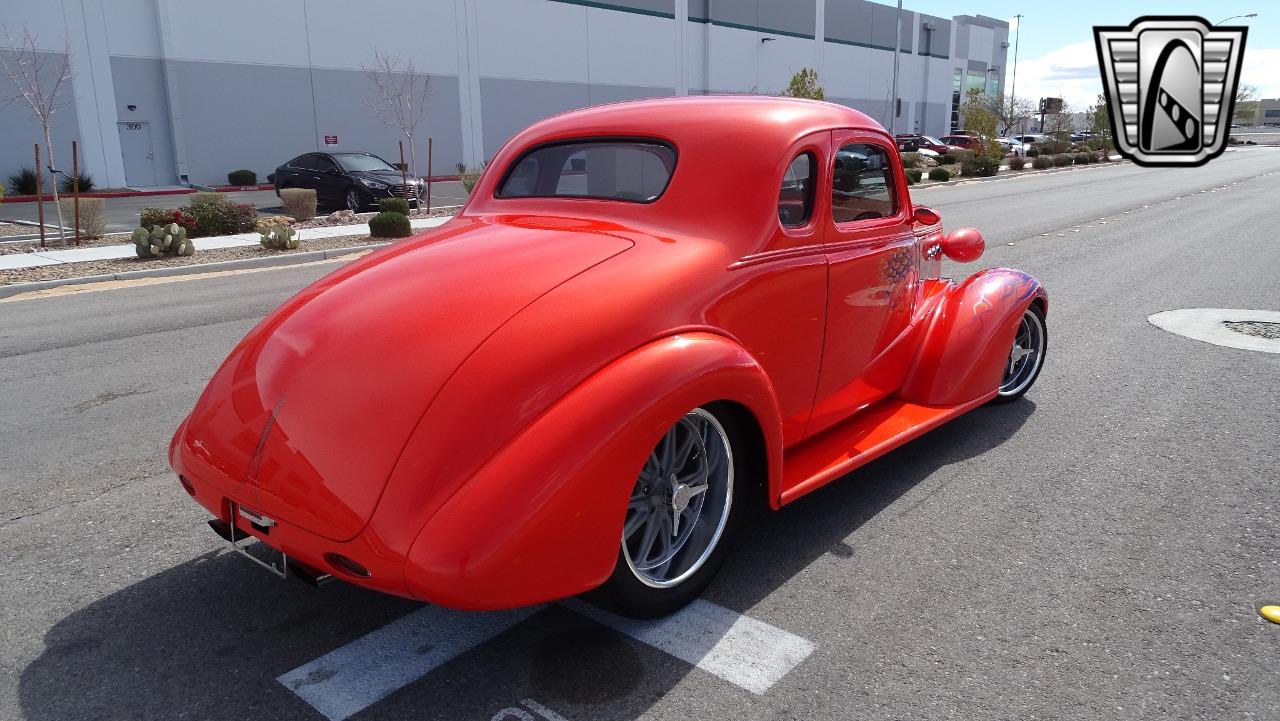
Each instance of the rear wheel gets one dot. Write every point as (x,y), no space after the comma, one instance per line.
(680,514)
(1026,357)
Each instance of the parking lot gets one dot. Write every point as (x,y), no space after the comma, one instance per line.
(1095,551)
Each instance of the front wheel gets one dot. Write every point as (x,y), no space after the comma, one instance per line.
(1026,358)
(680,513)
(353,200)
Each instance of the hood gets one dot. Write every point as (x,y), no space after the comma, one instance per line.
(306,418)
(392,177)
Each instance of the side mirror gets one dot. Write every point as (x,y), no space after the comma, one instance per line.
(963,245)
(926,216)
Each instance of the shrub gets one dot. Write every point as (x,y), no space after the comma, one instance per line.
(469,176)
(242,177)
(1042,162)
(276,234)
(947,159)
(910,160)
(1083,158)
(1062,160)
(162,240)
(939,174)
(393,205)
(148,217)
(962,155)
(23,182)
(65,187)
(1017,163)
(979,166)
(1054,147)
(299,203)
(389,225)
(93,215)
(1104,156)
(913,176)
(215,215)
(1032,152)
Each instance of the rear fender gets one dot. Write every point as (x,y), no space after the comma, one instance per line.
(967,344)
(543,518)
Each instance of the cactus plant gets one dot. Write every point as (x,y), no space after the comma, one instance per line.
(277,234)
(162,240)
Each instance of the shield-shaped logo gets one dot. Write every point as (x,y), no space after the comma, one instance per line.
(1171,87)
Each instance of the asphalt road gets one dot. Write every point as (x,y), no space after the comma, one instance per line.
(1094,551)
(122,213)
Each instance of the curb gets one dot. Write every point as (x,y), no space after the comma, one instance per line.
(125,194)
(193,269)
(1006,175)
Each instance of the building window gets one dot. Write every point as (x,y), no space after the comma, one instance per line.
(955,99)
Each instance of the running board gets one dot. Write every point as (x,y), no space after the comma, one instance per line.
(859,440)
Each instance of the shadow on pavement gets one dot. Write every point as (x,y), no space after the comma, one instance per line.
(207,638)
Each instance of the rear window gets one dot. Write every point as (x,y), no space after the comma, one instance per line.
(635,171)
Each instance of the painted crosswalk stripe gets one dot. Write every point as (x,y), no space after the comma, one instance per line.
(352,677)
(739,649)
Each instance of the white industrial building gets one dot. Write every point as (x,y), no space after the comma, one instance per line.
(169,91)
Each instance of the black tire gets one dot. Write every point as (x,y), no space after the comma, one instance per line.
(353,201)
(1017,380)
(627,593)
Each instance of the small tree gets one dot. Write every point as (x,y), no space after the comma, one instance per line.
(1060,122)
(979,116)
(1246,105)
(804,84)
(36,80)
(1101,121)
(399,98)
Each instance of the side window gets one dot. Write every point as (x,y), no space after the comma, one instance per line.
(795,197)
(302,161)
(323,163)
(862,185)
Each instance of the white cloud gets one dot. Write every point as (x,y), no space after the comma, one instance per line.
(1262,69)
(1070,72)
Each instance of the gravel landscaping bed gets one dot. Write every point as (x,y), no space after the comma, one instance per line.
(100,267)
(8,229)
(325,221)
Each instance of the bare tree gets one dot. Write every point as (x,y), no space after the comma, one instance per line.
(1247,104)
(399,97)
(36,80)
(1012,112)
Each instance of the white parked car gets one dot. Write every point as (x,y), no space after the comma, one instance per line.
(1013,146)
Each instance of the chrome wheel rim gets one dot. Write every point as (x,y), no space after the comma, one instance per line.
(1026,355)
(680,503)
(353,200)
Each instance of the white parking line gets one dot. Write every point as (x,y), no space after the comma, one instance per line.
(352,677)
(739,649)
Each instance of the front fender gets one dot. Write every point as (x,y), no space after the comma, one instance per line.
(543,518)
(967,344)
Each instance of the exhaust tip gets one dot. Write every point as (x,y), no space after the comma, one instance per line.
(346,566)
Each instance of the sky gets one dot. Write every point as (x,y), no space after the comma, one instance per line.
(1056,55)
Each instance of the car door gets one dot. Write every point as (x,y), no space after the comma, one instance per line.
(331,181)
(873,278)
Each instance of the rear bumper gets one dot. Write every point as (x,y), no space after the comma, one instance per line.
(386,567)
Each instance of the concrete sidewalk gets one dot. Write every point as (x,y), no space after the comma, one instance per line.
(108,252)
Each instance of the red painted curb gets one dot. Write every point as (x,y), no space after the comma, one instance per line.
(242,188)
(126,194)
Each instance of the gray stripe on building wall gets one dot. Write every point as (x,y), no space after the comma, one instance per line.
(140,82)
(511,105)
(940,43)
(271,118)
(656,8)
(792,18)
(867,24)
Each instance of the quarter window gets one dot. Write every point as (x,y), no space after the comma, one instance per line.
(862,184)
(795,197)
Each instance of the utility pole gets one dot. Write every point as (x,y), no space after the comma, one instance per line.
(897,50)
(1013,86)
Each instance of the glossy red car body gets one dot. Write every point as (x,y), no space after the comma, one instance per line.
(444,410)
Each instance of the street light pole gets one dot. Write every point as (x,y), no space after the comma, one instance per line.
(897,50)
(1013,85)
(1233,17)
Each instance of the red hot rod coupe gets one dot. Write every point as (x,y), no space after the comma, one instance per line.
(631,333)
